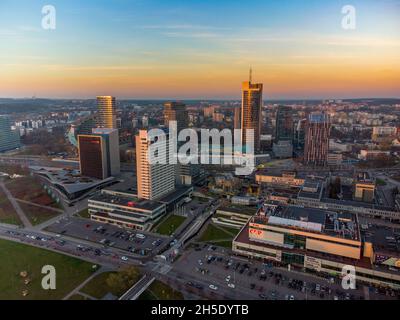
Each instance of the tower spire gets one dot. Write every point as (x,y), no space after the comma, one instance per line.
(251,75)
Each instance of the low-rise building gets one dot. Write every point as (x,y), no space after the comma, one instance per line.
(318,241)
(233,216)
(286,178)
(125,210)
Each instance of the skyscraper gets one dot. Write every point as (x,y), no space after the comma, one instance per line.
(92,156)
(300,133)
(107,117)
(176,111)
(153,180)
(284,124)
(317,139)
(237,118)
(111,138)
(9,139)
(99,153)
(252,102)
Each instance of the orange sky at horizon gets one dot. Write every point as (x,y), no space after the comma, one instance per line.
(202,81)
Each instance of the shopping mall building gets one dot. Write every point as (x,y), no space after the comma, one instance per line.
(322,241)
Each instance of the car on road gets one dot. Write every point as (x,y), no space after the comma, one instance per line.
(231,285)
(213,287)
(228,278)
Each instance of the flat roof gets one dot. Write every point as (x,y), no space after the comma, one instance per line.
(131,201)
(338,225)
(243,237)
(247,210)
(385,239)
(179,192)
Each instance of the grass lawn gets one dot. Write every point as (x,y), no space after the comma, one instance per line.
(160,291)
(169,225)
(30,189)
(84,214)
(7,212)
(16,257)
(213,233)
(380,182)
(98,287)
(37,215)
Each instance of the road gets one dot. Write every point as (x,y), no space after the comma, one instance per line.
(108,257)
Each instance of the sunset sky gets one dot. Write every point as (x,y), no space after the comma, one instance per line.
(199,49)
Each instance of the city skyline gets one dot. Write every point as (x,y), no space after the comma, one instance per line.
(186,51)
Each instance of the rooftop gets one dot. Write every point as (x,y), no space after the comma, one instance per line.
(126,200)
(239,209)
(343,225)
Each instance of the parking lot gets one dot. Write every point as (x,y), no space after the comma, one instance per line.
(136,242)
(216,270)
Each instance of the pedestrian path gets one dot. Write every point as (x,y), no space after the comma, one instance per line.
(25,221)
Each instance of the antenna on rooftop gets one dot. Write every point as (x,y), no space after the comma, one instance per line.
(251,75)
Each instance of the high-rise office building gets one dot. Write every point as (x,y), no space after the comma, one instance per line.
(107,117)
(284,124)
(153,180)
(176,111)
(300,134)
(111,138)
(237,118)
(317,139)
(9,139)
(92,156)
(99,153)
(252,102)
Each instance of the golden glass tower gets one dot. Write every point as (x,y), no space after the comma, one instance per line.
(251,110)
(107,117)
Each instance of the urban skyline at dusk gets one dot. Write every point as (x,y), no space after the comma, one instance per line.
(200,157)
(180,50)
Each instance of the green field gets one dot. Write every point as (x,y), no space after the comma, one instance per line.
(30,189)
(7,212)
(84,214)
(381,182)
(169,225)
(219,236)
(37,215)
(15,257)
(98,287)
(160,291)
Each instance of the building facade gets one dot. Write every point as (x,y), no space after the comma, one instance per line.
(284,124)
(176,111)
(107,115)
(153,180)
(92,156)
(252,102)
(99,153)
(9,139)
(317,139)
